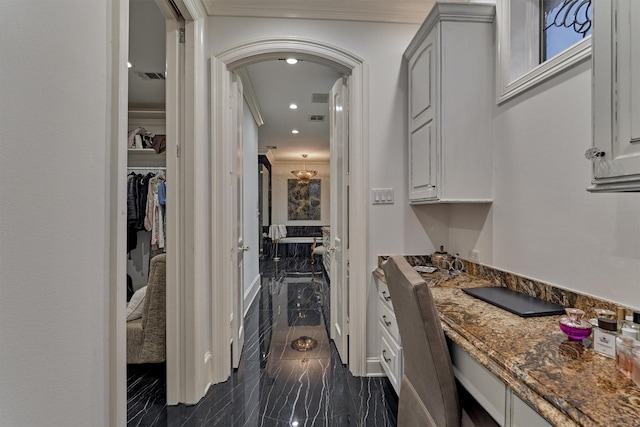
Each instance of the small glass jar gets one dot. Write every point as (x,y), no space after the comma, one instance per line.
(624,355)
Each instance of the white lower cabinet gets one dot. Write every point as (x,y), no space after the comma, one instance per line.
(491,393)
(390,347)
(494,396)
(522,415)
(391,359)
(488,390)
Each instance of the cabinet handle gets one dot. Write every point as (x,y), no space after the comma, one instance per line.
(384,356)
(384,319)
(384,295)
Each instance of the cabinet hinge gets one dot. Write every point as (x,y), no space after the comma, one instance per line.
(177,150)
(181,35)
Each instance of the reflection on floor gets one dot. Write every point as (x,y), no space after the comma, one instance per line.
(276,384)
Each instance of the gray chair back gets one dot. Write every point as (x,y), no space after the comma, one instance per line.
(428,394)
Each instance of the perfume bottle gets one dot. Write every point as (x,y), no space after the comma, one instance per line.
(624,355)
(633,322)
(604,337)
(635,374)
(621,316)
(573,326)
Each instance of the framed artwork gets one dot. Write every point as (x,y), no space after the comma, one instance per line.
(303,202)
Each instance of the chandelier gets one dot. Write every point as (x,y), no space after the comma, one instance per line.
(303,174)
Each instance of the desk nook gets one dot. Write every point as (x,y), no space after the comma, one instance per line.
(524,371)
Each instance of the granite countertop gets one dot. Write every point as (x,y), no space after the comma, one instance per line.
(563,380)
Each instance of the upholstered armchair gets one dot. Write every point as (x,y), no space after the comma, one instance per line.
(146,336)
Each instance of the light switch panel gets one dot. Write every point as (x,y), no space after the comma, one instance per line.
(382,196)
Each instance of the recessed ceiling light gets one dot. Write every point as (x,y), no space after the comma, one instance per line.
(129,64)
(292,61)
(295,131)
(293,106)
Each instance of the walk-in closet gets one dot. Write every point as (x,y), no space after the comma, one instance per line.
(147,183)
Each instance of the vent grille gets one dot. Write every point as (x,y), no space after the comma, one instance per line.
(316,118)
(320,98)
(145,75)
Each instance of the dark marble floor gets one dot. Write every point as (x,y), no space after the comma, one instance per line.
(275,385)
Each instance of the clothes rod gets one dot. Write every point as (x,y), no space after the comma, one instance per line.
(147,168)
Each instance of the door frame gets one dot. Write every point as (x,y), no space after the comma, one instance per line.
(268,49)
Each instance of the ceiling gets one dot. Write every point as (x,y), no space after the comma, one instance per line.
(275,83)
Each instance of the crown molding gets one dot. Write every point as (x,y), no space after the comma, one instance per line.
(453,12)
(405,12)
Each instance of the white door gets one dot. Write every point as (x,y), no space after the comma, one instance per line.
(237,321)
(339,249)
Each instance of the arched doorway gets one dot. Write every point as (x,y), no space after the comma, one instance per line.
(222,154)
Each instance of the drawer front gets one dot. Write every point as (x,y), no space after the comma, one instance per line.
(485,387)
(383,293)
(391,359)
(388,321)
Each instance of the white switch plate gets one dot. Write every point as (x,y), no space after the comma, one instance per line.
(382,196)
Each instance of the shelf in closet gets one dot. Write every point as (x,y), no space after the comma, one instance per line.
(146,157)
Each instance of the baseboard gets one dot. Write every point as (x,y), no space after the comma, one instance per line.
(374,368)
(251,294)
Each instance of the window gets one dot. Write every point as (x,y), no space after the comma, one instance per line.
(564,23)
(538,39)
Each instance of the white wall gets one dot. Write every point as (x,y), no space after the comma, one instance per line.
(544,224)
(54,213)
(279,192)
(250,198)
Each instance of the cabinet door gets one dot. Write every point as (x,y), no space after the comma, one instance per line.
(423,149)
(616,98)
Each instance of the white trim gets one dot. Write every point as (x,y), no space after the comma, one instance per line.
(507,86)
(191,10)
(116,233)
(221,316)
(272,48)
(374,367)
(405,12)
(175,300)
(251,293)
(452,12)
(250,96)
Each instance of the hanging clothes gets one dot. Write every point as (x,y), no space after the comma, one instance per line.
(154,215)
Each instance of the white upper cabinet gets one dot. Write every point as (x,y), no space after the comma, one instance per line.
(450,65)
(616,96)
